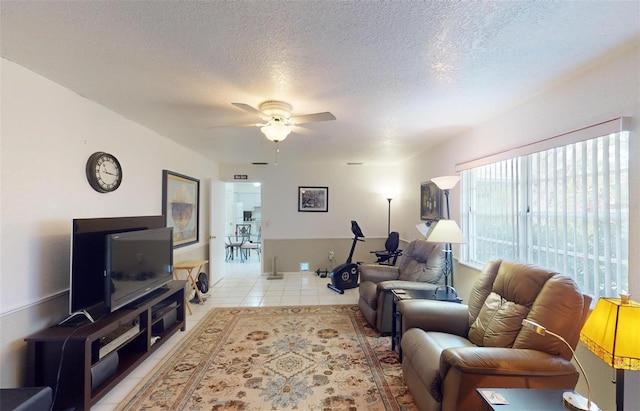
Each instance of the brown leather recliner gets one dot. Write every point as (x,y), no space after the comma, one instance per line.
(420,269)
(450,350)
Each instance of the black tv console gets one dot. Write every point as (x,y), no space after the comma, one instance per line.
(82,360)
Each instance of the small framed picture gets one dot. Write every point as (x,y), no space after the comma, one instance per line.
(313,199)
(181,207)
(430,201)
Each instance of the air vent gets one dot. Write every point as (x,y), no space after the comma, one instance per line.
(259,164)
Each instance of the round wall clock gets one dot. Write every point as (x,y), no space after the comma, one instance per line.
(104,172)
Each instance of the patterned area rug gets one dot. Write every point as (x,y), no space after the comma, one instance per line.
(277,358)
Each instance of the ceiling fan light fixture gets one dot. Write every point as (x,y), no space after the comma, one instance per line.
(277,121)
(276,109)
(276,131)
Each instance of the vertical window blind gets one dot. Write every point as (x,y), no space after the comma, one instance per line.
(565,208)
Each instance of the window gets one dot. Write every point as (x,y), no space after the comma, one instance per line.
(564,208)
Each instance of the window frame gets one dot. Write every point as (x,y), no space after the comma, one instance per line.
(523,215)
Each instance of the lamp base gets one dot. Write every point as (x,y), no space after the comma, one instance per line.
(574,401)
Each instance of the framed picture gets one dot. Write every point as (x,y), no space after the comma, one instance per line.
(181,207)
(314,199)
(430,201)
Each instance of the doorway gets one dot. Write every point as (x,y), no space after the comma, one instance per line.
(243,215)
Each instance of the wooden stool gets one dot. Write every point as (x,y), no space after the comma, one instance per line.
(189,266)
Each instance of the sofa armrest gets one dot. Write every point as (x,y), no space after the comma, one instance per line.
(504,361)
(432,315)
(377,273)
(404,285)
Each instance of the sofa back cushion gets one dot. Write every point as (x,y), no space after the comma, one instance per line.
(482,288)
(515,289)
(498,323)
(507,292)
(422,262)
(561,308)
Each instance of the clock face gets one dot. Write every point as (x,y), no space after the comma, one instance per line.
(103,172)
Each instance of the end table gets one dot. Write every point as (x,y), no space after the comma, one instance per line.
(522,399)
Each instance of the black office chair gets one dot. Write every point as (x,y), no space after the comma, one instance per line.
(390,254)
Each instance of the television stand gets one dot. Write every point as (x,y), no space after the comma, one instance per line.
(76,319)
(70,361)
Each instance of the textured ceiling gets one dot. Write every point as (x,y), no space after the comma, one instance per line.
(399,76)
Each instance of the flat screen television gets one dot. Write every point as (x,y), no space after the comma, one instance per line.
(88,248)
(137,263)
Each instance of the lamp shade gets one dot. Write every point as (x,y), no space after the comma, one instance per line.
(446,182)
(276,131)
(446,231)
(612,332)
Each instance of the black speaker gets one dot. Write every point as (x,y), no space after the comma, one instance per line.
(26,398)
(104,369)
(167,321)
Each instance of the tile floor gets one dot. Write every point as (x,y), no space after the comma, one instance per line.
(242,286)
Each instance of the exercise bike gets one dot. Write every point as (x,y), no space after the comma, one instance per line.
(345,275)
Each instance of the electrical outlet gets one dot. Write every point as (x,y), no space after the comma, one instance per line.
(331,255)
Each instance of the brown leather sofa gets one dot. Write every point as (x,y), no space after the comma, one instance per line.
(420,269)
(450,350)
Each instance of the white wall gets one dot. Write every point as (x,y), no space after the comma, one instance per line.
(47,135)
(355,193)
(607,90)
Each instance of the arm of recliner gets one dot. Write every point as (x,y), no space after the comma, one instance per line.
(377,273)
(405,285)
(432,315)
(504,361)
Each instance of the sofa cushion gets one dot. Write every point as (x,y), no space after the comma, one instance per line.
(515,289)
(421,262)
(482,289)
(498,323)
(560,308)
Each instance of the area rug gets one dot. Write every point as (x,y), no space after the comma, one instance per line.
(277,358)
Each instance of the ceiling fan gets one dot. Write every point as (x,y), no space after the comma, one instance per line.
(277,119)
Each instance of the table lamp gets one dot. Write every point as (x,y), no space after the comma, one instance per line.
(572,400)
(447,232)
(612,332)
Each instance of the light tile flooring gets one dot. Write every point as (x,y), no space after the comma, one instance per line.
(242,286)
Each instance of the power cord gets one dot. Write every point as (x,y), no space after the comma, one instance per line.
(59,372)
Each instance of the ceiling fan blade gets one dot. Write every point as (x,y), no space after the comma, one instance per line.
(302,130)
(248,108)
(311,118)
(235,125)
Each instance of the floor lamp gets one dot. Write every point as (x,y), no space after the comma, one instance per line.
(612,332)
(389,216)
(446,183)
